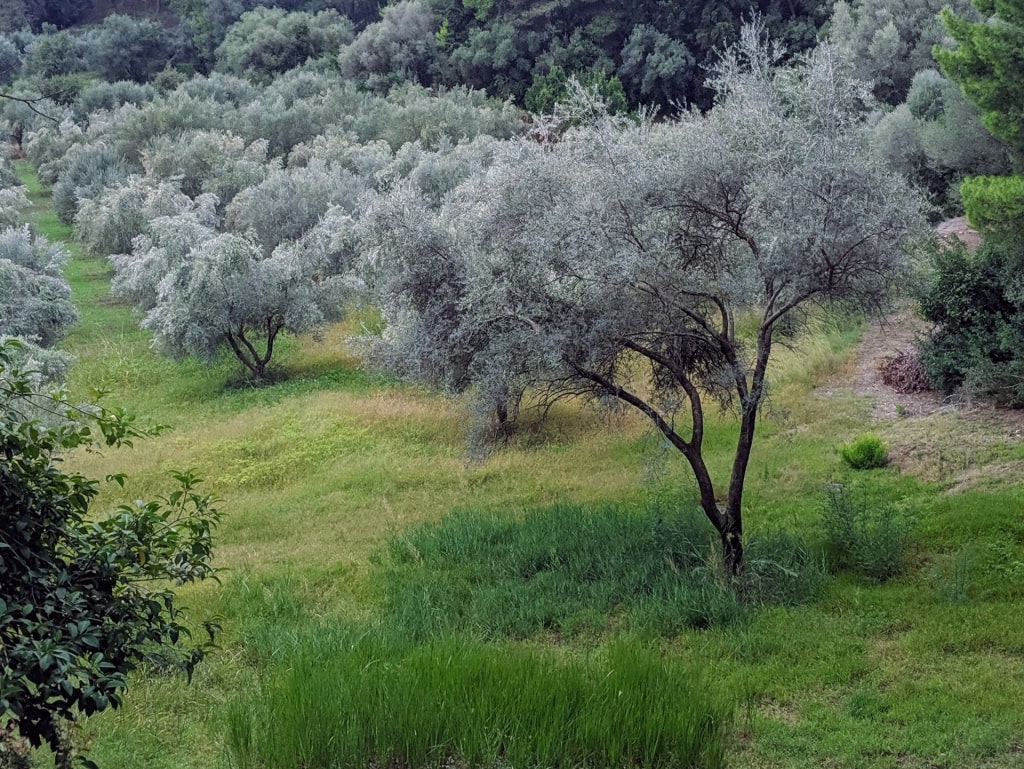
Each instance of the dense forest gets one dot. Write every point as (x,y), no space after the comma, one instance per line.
(652,53)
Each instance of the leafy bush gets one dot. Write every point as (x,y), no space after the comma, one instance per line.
(976,302)
(865,453)
(356,699)
(864,535)
(83,599)
(570,569)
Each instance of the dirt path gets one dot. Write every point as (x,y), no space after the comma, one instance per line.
(959,443)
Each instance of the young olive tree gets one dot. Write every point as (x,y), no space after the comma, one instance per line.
(616,261)
(35,299)
(227,291)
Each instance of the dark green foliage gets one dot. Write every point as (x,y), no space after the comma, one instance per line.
(573,570)
(506,46)
(547,90)
(988,65)
(56,53)
(83,600)
(865,533)
(867,452)
(654,64)
(268,41)
(976,302)
(59,13)
(401,47)
(352,698)
(10,60)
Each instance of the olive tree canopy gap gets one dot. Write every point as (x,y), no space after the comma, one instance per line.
(568,261)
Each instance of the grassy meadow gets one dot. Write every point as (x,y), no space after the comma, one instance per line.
(362,606)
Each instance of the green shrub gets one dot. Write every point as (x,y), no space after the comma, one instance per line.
(977,306)
(866,452)
(863,534)
(356,699)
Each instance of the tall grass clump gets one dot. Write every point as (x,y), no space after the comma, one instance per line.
(572,570)
(865,533)
(371,702)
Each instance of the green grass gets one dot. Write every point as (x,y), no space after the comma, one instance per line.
(577,571)
(322,469)
(353,699)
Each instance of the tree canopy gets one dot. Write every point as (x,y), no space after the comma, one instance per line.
(988,64)
(650,263)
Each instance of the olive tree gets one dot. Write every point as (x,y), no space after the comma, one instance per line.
(400,47)
(618,261)
(227,291)
(35,300)
(267,41)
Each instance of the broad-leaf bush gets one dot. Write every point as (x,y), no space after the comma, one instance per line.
(84,599)
(976,301)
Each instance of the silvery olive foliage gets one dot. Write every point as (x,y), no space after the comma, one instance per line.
(107,223)
(108,95)
(47,146)
(290,201)
(13,201)
(436,172)
(343,149)
(227,292)
(888,41)
(86,170)
(937,138)
(401,47)
(166,243)
(634,246)
(218,162)
(35,300)
(267,41)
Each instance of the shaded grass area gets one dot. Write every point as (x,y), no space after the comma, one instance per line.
(574,570)
(322,469)
(354,699)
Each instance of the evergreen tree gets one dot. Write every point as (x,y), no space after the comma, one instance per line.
(988,64)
